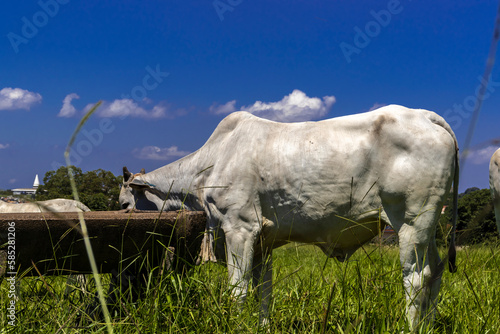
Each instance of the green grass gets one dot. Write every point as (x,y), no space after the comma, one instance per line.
(311,293)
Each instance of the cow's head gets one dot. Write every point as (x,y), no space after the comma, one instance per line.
(135,192)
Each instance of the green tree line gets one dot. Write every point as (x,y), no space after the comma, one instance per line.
(98,189)
(476,218)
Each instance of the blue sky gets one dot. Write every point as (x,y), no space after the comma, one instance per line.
(169,71)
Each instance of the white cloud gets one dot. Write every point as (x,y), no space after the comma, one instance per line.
(227,108)
(296,107)
(12,181)
(157,153)
(4,146)
(17,98)
(67,109)
(122,108)
(128,107)
(481,156)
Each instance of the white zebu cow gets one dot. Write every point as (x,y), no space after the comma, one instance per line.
(333,183)
(495,184)
(57,205)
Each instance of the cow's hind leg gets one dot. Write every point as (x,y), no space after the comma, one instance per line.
(422,270)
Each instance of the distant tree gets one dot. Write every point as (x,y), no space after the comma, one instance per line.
(98,189)
(96,202)
(5,192)
(468,191)
(476,219)
(103,187)
(56,184)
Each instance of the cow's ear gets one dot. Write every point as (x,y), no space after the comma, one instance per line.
(126,174)
(139,184)
(143,171)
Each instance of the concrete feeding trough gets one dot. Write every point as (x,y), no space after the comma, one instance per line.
(51,244)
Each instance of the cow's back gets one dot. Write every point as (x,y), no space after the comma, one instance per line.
(385,146)
(57,205)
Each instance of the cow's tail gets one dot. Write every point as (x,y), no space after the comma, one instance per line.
(452,253)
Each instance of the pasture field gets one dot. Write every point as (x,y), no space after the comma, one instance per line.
(311,295)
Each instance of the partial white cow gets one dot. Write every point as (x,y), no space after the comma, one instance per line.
(334,183)
(495,184)
(57,205)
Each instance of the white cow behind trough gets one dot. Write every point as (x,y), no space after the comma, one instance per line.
(495,184)
(57,205)
(334,183)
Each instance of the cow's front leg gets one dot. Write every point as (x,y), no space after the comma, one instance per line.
(263,280)
(240,252)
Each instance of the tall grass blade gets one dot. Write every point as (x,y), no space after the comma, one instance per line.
(85,234)
(325,320)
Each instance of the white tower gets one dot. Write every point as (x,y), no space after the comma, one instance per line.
(36,183)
